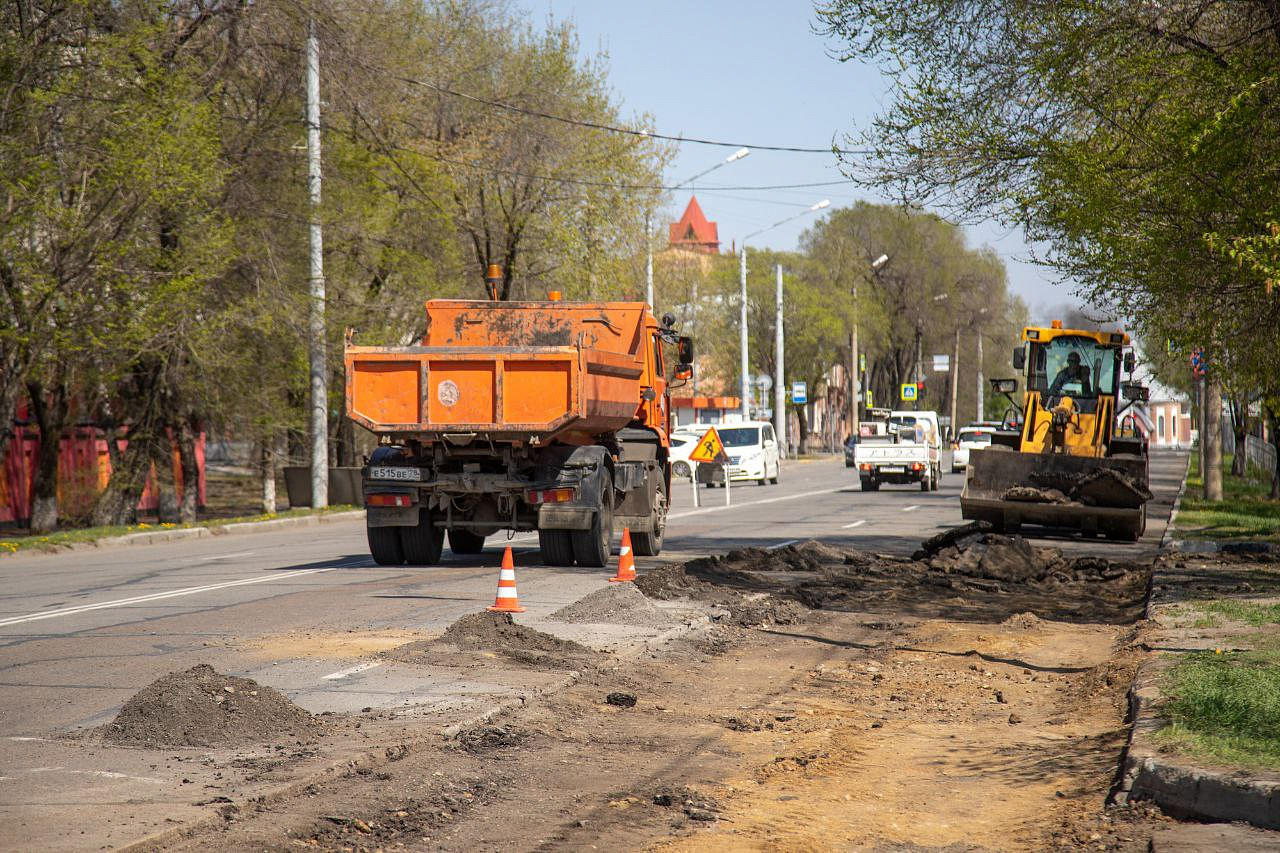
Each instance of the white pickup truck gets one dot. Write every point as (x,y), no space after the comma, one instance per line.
(910,452)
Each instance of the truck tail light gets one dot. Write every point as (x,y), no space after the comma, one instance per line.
(916,466)
(550,496)
(388,500)
(865,466)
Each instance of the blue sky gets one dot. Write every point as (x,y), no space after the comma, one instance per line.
(753,71)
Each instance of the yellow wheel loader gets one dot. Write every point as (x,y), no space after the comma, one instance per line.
(1059,459)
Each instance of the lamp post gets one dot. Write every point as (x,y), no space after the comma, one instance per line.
(742,276)
(856,383)
(648,219)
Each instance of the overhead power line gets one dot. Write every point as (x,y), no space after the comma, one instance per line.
(593,125)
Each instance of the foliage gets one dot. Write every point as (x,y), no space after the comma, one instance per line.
(1226,706)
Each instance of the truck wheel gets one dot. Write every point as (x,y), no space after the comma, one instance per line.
(591,546)
(557,547)
(777,470)
(869,485)
(649,543)
(936,482)
(422,543)
(384,545)
(465,541)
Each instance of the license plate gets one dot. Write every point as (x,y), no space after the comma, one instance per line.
(386,472)
(892,469)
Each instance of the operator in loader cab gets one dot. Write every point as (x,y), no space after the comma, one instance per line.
(1072,371)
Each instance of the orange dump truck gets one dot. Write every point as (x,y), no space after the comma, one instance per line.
(548,416)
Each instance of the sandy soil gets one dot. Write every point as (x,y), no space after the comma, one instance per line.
(917,709)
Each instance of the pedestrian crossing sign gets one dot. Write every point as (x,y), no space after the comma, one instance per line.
(710,448)
(909,391)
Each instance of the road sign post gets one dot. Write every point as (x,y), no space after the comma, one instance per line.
(710,451)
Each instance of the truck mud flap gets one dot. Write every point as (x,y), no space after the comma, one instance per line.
(565,517)
(392,516)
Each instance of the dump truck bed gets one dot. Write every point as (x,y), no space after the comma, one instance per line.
(514,371)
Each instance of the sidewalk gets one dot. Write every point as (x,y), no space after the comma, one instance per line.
(1206,702)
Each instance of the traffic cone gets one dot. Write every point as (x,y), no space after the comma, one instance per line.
(626,562)
(507,600)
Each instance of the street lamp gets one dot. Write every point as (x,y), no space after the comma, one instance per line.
(648,219)
(856,378)
(746,367)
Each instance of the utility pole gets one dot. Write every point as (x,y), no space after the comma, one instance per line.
(648,257)
(319,368)
(742,338)
(981,408)
(955,385)
(779,372)
(854,377)
(919,364)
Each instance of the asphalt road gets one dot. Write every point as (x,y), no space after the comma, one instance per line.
(304,610)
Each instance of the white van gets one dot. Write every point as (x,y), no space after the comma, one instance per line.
(753,454)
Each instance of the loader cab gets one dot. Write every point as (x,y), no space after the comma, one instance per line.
(1072,379)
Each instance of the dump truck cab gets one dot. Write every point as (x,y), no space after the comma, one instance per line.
(545,416)
(1060,459)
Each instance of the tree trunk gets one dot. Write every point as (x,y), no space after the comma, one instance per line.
(1273,424)
(267,469)
(1212,441)
(166,484)
(802,444)
(51,415)
(1239,428)
(187,432)
(118,504)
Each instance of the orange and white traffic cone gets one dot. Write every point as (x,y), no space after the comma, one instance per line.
(507,600)
(626,561)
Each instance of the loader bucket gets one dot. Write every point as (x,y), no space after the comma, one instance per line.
(1094,495)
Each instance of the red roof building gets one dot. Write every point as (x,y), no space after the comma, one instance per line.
(693,231)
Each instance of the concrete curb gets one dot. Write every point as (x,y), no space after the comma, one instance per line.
(177,534)
(1187,792)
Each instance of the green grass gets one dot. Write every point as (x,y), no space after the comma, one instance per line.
(1214,611)
(1225,706)
(1244,513)
(61,538)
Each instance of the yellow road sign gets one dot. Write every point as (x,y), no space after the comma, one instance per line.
(710,448)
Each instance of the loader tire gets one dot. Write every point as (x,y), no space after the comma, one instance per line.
(465,541)
(557,547)
(384,545)
(423,542)
(591,546)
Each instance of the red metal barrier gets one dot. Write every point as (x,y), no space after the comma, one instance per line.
(84,468)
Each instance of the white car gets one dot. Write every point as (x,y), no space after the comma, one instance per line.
(683,441)
(969,438)
(752,450)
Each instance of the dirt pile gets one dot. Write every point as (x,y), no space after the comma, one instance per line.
(1103,487)
(495,633)
(618,603)
(202,707)
(965,568)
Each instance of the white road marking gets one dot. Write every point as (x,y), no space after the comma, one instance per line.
(105,774)
(783,544)
(227,556)
(15,737)
(857,523)
(343,673)
(910,508)
(705,510)
(156,596)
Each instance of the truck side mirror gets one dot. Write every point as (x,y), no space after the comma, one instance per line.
(1129,362)
(1019,359)
(1004,386)
(684,350)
